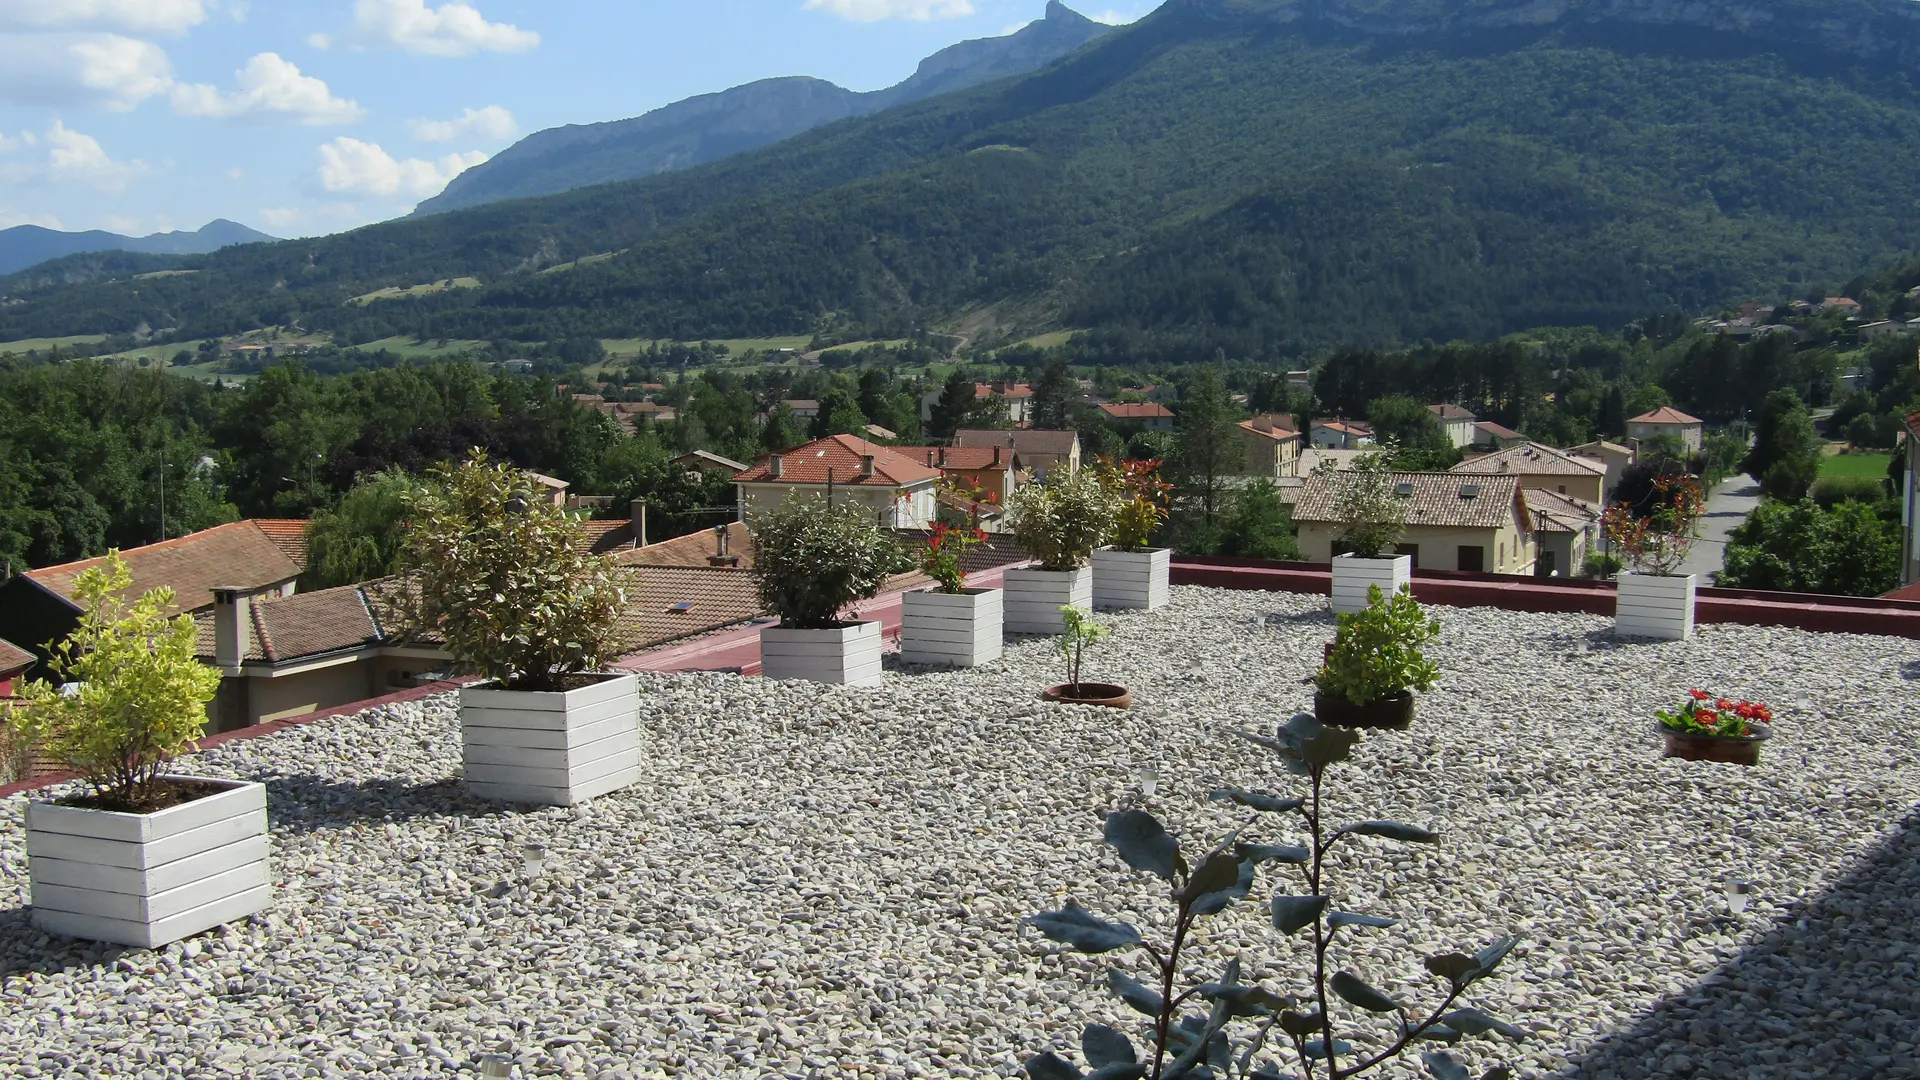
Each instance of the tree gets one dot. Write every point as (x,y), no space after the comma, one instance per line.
(1785,454)
(1258,525)
(839,415)
(361,537)
(956,401)
(1208,446)
(1850,550)
(1053,395)
(1412,435)
(782,430)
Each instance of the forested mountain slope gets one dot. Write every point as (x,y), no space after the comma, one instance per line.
(1264,175)
(24,245)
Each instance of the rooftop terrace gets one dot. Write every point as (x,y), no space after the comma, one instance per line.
(814,881)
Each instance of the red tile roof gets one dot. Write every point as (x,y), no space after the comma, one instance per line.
(653,615)
(968,458)
(241,554)
(287,628)
(1498,431)
(13,658)
(1028,441)
(1277,428)
(1449,414)
(691,549)
(289,535)
(1135,410)
(1665,414)
(841,456)
(1531,459)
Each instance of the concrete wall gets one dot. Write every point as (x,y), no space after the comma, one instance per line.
(1688,434)
(915,511)
(309,691)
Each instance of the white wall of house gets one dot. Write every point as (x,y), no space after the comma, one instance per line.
(1688,434)
(907,507)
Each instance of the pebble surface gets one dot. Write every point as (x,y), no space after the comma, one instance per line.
(815,881)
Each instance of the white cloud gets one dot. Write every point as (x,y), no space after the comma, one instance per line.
(316,218)
(76,158)
(452,29)
(488,124)
(1115,18)
(876,10)
(134,16)
(9,144)
(363,168)
(236,174)
(323,42)
(81,69)
(270,88)
(9,218)
(279,217)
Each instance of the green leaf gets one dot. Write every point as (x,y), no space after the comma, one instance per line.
(1475,1022)
(1257,800)
(1214,901)
(1349,987)
(1348,918)
(1439,1033)
(1288,853)
(1454,967)
(1489,958)
(1129,1071)
(1392,830)
(1313,745)
(1317,1049)
(1218,871)
(1300,1025)
(1143,843)
(1498,1072)
(1105,1046)
(1051,1067)
(1246,1000)
(1072,926)
(1292,914)
(1443,1067)
(1138,996)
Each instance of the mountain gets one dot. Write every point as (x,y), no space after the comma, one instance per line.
(24,245)
(713,126)
(1270,177)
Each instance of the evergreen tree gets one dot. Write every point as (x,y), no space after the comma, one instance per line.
(1786,453)
(956,402)
(1208,447)
(782,430)
(1053,395)
(839,415)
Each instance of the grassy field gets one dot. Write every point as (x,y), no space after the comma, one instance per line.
(42,344)
(399,292)
(628,348)
(1868,463)
(1047,341)
(162,273)
(406,346)
(584,260)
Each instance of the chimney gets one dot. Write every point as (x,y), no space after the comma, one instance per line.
(996,457)
(720,556)
(866,465)
(773,467)
(232,625)
(637,514)
(930,459)
(943,457)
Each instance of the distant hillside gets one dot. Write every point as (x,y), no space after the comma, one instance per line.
(1264,176)
(713,126)
(25,245)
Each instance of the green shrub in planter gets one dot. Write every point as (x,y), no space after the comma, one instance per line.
(1376,653)
(1060,521)
(812,560)
(504,582)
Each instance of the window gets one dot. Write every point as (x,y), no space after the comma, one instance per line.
(1563,489)
(1473,559)
(1502,561)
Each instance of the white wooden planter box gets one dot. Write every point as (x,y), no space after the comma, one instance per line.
(1352,576)
(1131,580)
(1656,607)
(962,629)
(149,879)
(549,747)
(1035,597)
(848,654)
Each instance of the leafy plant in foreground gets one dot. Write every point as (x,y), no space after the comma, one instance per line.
(1376,653)
(1230,1037)
(1081,631)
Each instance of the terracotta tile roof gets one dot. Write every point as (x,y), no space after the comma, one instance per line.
(713,597)
(966,458)
(1531,459)
(1028,441)
(1135,410)
(1589,449)
(240,554)
(875,431)
(303,625)
(701,459)
(1450,414)
(1665,414)
(840,454)
(1554,512)
(1349,427)
(802,404)
(601,537)
(14,658)
(1498,431)
(1437,499)
(289,535)
(691,549)
(1271,427)
(1017,390)
(549,481)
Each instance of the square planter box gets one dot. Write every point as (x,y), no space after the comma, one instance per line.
(1352,576)
(1131,580)
(547,747)
(848,654)
(1035,597)
(961,629)
(1650,606)
(149,879)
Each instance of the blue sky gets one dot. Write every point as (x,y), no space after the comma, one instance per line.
(308,117)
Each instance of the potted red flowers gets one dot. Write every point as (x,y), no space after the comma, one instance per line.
(1708,728)
(952,623)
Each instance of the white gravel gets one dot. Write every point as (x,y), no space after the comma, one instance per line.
(822,882)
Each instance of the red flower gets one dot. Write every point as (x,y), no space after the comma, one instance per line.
(1699,695)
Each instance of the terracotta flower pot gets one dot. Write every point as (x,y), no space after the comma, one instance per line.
(1089,693)
(1391,713)
(1732,749)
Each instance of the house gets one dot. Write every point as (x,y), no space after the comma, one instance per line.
(992,469)
(1477,523)
(802,408)
(1564,531)
(704,461)
(1910,506)
(728,544)
(40,607)
(1498,436)
(552,489)
(1611,454)
(900,491)
(1667,420)
(1139,415)
(1455,422)
(1887,328)
(601,536)
(517,367)
(1341,434)
(1040,449)
(875,431)
(14,664)
(1543,467)
(1017,397)
(1273,446)
(1844,305)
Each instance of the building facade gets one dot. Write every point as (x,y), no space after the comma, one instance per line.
(1472,523)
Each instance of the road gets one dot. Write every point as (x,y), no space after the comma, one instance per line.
(1727,507)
